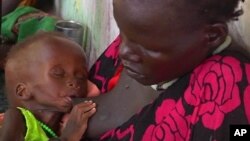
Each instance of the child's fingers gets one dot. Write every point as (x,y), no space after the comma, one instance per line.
(84,107)
(88,114)
(88,109)
(85,103)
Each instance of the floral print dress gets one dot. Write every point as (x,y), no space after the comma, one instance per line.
(200,106)
(107,67)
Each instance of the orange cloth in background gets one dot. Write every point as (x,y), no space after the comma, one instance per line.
(114,80)
(27,2)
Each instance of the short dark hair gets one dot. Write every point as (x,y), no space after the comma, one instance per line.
(218,10)
(21,46)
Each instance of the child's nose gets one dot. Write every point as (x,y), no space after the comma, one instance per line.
(73,84)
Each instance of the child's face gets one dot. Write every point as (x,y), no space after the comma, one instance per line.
(58,74)
(156,46)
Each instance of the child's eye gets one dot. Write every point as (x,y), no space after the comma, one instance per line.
(58,72)
(81,76)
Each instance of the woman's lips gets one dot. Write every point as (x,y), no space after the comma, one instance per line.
(133,73)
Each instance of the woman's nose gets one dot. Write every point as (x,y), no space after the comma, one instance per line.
(129,53)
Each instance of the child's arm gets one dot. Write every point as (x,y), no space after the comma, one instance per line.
(13,126)
(77,121)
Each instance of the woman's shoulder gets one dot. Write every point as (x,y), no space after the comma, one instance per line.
(239,52)
(235,59)
(231,62)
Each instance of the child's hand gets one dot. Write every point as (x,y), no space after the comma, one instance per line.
(77,121)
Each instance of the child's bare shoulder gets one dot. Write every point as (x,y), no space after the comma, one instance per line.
(13,113)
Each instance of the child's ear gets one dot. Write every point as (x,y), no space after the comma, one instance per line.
(216,34)
(22,91)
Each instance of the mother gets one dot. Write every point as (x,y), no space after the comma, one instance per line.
(183,47)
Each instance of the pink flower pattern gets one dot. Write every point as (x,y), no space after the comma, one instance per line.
(247,93)
(171,123)
(120,134)
(212,93)
(213,90)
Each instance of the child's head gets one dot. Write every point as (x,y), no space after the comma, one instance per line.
(44,72)
(164,39)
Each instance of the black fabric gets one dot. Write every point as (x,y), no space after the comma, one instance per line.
(106,66)
(3,100)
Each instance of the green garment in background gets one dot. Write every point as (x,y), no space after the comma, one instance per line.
(27,27)
(34,130)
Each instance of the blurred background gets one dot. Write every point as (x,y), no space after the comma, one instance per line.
(97,18)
